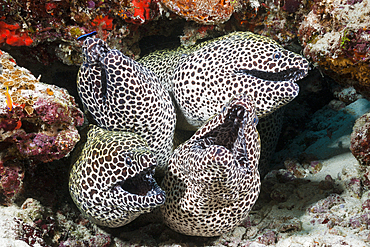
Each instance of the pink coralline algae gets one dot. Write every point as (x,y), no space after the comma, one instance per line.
(355,187)
(98,240)
(268,238)
(360,140)
(324,205)
(32,235)
(11,177)
(37,123)
(366,205)
(322,212)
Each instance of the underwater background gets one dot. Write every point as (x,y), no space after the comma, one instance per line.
(316,191)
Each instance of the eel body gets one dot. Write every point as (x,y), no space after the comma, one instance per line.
(122,95)
(212,179)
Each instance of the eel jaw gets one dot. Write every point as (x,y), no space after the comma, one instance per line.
(143,186)
(289,75)
(234,119)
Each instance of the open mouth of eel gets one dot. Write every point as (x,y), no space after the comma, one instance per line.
(230,129)
(143,185)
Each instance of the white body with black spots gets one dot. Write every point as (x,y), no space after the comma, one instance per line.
(122,95)
(205,77)
(112,180)
(212,179)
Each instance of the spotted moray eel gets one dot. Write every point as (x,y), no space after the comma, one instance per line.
(112,180)
(203,78)
(122,95)
(212,179)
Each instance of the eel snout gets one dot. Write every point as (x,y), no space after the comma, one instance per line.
(94,50)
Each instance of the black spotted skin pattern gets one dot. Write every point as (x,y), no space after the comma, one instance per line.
(212,179)
(112,180)
(122,95)
(204,77)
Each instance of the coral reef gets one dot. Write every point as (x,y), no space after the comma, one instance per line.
(335,35)
(51,28)
(33,224)
(38,123)
(278,19)
(140,11)
(208,12)
(11,35)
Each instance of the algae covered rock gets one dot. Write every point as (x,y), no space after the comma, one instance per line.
(37,123)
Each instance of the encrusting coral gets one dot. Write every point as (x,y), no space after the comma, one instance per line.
(207,12)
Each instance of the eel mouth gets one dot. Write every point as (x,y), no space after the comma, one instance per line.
(143,184)
(229,131)
(292,74)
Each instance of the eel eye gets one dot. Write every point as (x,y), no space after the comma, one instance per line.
(276,55)
(255,120)
(128,161)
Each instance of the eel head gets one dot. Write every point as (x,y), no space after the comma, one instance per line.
(94,50)
(112,182)
(241,62)
(228,148)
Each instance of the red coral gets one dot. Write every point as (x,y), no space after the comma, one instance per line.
(11,35)
(141,11)
(105,23)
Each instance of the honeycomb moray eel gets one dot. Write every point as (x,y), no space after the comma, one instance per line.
(212,179)
(203,78)
(112,180)
(122,95)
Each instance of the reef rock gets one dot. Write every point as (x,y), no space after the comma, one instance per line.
(360,139)
(208,12)
(37,123)
(336,37)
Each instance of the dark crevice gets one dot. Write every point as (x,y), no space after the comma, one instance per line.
(29,127)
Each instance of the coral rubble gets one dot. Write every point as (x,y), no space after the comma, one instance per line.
(37,123)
